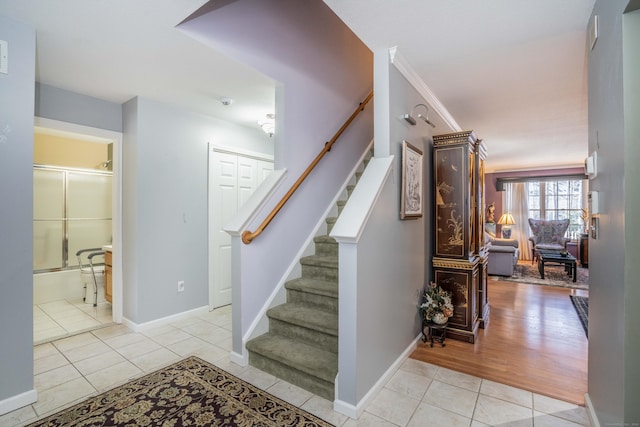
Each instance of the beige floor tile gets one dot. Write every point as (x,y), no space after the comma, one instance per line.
(451,398)
(185,322)
(62,395)
(159,330)
(227,365)
(19,417)
(546,420)
(368,420)
(429,415)
(111,331)
(215,335)
(190,346)
(258,378)
(171,337)
(392,406)
(290,393)
(113,375)
(47,363)
(413,385)
(198,328)
(458,379)
(44,350)
(136,349)
(508,393)
(55,377)
(492,411)
(99,362)
(211,354)
(156,359)
(323,408)
(124,340)
(475,423)
(421,368)
(85,352)
(560,409)
(76,341)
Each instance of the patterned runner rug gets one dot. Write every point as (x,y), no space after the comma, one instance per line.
(581,305)
(554,275)
(188,393)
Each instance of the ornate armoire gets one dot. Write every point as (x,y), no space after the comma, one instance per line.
(460,259)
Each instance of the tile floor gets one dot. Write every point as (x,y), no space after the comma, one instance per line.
(57,319)
(419,394)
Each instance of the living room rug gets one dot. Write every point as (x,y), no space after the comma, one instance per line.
(581,305)
(191,392)
(554,275)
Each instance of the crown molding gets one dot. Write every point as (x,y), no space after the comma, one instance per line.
(405,68)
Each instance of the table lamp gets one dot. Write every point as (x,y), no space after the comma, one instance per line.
(506,220)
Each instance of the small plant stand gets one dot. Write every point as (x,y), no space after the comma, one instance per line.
(434,331)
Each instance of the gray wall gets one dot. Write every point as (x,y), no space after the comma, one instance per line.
(614,383)
(16,211)
(631,52)
(59,104)
(165,204)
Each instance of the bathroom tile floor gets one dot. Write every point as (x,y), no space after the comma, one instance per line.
(71,369)
(58,319)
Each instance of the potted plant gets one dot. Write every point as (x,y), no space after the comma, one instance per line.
(435,304)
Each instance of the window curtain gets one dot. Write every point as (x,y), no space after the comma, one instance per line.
(515,201)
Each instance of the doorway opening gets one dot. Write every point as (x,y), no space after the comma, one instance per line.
(77,205)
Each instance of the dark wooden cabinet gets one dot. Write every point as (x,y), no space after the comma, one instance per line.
(460,259)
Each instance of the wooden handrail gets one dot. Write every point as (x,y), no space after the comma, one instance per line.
(248,236)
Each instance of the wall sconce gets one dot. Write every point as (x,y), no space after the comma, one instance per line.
(411,117)
(268,125)
(506,220)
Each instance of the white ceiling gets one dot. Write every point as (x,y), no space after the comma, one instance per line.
(512,70)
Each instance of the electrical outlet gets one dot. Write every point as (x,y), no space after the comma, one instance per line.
(181,286)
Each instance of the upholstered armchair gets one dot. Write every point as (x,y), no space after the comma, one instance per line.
(548,234)
(502,256)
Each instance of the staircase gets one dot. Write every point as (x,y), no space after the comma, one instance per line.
(301,346)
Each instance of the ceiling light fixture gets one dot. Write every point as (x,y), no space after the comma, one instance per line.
(268,125)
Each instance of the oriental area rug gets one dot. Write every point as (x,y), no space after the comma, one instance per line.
(191,392)
(554,275)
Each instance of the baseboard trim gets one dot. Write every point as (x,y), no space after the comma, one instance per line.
(18,401)
(354,411)
(591,411)
(141,327)
(239,359)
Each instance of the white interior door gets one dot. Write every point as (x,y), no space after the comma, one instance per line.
(232,180)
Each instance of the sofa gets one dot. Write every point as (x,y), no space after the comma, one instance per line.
(502,256)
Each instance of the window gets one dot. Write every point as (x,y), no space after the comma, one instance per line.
(558,199)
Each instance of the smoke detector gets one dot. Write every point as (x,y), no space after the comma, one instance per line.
(226,100)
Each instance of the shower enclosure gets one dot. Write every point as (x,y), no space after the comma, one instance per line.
(72,211)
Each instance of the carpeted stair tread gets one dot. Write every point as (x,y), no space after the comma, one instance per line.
(320,261)
(313,286)
(311,360)
(307,316)
(324,239)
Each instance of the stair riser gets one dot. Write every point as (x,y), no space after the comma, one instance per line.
(309,336)
(308,382)
(327,249)
(325,302)
(318,272)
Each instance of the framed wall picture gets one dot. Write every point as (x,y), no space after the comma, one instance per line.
(412,199)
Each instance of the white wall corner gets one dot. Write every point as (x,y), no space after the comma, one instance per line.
(356,212)
(357,410)
(593,417)
(405,68)
(18,401)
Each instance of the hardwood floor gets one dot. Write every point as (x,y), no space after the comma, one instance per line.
(534,341)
